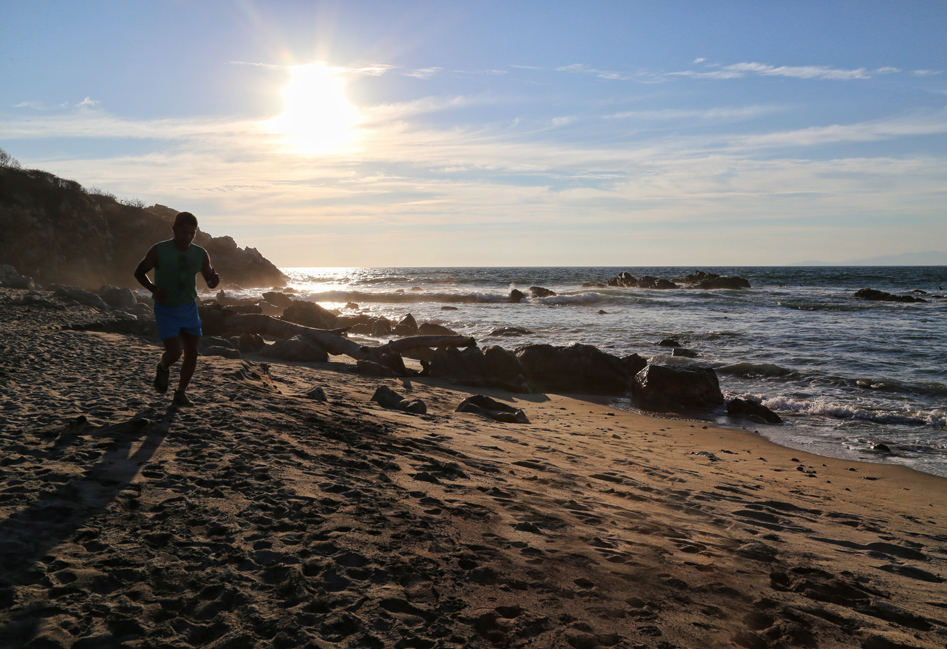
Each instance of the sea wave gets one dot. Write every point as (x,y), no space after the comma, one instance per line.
(748,369)
(834,410)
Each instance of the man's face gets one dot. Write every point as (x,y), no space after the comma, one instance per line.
(183,235)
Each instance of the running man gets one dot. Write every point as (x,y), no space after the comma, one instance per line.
(176,262)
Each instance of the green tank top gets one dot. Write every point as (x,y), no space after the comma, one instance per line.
(175,271)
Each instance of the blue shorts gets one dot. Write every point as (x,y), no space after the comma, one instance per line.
(172,320)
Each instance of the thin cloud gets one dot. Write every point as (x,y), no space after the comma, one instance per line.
(423,73)
(724,114)
(740,70)
(581,68)
(927,73)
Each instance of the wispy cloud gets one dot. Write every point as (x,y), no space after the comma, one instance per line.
(927,73)
(740,70)
(581,68)
(424,73)
(710,114)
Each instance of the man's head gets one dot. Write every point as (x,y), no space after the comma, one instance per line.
(184,229)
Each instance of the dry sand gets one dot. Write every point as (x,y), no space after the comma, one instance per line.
(262,518)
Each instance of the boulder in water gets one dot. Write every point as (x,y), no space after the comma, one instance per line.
(539,291)
(753,411)
(881,296)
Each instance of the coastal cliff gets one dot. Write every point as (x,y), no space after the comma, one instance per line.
(59,233)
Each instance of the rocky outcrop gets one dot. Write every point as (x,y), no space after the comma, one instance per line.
(311,314)
(698,279)
(539,291)
(492,367)
(881,296)
(56,232)
(677,389)
(10,278)
(753,411)
(578,369)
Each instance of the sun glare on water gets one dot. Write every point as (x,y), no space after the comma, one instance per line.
(318,118)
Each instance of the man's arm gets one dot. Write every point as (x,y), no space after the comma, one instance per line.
(210,275)
(145,266)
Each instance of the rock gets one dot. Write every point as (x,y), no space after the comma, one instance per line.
(9,278)
(351,305)
(250,342)
(278,299)
(686,353)
(661,388)
(388,398)
(311,314)
(510,331)
(669,342)
(517,296)
(492,409)
(298,349)
(665,284)
(448,308)
(371,368)
(753,411)
(539,291)
(79,295)
(381,327)
(317,394)
(119,298)
(245,308)
(581,369)
(217,341)
(431,329)
(218,350)
(623,280)
(407,326)
(881,296)
(492,367)
(212,319)
(269,309)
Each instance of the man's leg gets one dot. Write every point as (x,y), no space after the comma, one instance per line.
(172,352)
(189,343)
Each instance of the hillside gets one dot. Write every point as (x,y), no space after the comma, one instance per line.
(58,233)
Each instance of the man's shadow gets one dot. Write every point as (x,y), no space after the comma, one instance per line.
(29,535)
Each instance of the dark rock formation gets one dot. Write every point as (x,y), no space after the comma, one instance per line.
(492,409)
(669,342)
(510,331)
(753,411)
(370,368)
(277,299)
(311,314)
(249,343)
(296,349)
(623,280)
(881,296)
(698,279)
(580,369)
(388,398)
(432,329)
(79,296)
(686,353)
(56,232)
(119,298)
(10,278)
(677,389)
(517,295)
(492,367)
(407,326)
(539,291)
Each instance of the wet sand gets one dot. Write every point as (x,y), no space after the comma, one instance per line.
(263,518)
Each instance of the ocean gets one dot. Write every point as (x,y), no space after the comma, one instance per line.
(850,378)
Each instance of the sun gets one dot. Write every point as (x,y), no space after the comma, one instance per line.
(318,118)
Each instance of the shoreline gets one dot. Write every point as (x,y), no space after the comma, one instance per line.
(262,517)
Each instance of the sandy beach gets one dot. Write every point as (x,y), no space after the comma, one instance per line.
(261,517)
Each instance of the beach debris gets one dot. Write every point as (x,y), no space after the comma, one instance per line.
(752,410)
(661,388)
(388,398)
(882,296)
(492,409)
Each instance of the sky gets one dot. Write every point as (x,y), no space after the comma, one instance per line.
(498,133)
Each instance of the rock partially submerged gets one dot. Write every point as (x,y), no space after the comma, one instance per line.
(699,280)
(753,411)
(881,296)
